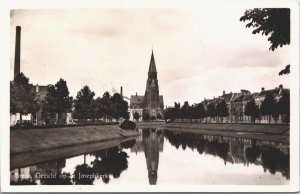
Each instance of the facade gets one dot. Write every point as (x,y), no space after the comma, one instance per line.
(236,103)
(277,93)
(151,103)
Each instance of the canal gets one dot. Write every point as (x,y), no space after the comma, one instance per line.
(160,157)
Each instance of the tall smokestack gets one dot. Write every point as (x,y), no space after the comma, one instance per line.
(17,51)
(121,91)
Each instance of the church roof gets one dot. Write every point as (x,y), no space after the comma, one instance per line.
(152,67)
(136,100)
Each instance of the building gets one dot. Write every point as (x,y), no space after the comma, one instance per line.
(238,104)
(277,92)
(151,103)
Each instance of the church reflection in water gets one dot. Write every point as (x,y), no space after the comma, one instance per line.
(151,143)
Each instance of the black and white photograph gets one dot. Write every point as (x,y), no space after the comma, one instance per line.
(190,96)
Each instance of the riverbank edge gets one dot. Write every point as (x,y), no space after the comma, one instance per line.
(35,140)
(276,129)
(267,132)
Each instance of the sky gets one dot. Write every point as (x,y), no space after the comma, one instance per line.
(199,52)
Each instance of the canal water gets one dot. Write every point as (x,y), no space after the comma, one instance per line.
(160,157)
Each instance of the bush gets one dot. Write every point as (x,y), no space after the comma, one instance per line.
(153,118)
(126,124)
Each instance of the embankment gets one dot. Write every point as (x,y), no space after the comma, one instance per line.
(279,133)
(235,127)
(149,124)
(34,140)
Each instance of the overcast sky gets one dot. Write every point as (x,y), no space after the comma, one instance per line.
(198,53)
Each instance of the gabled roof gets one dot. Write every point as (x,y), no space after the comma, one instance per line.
(240,98)
(276,91)
(136,100)
(235,96)
(273,91)
(250,97)
(227,97)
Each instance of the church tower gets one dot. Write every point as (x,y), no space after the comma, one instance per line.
(153,102)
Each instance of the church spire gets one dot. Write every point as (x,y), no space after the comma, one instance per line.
(152,73)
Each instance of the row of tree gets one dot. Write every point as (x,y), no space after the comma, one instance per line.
(85,107)
(270,107)
(196,111)
(108,107)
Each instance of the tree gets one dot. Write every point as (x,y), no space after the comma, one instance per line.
(22,97)
(284,106)
(273,21)
(198,111)
(251,109)
(106,105)
(211,110)
(177,112)
(169,113)
(120,106)
(186,110)
(58,100)
(268,106)
(146,116)
(158,116)
(97,108)
(84,104)
(286,70)
(136,116)
(222,109)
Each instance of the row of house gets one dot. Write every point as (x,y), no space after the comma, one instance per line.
(236,103)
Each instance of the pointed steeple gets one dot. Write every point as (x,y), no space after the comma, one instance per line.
(152,73)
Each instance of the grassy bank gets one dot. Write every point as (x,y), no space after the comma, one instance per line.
(234,127)
(278,133)
(33,140)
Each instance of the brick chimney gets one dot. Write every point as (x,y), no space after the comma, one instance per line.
(223,92)
(17,51)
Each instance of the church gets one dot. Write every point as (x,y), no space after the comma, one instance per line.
(151,103)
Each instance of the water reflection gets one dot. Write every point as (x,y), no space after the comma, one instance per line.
(151,143)
(111,162)
(108,164)
(273,156)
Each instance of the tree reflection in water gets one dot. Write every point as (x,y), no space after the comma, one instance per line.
(83,175)
(20,180)
(110,162)
(23,182)
(54,168)
(235,150)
